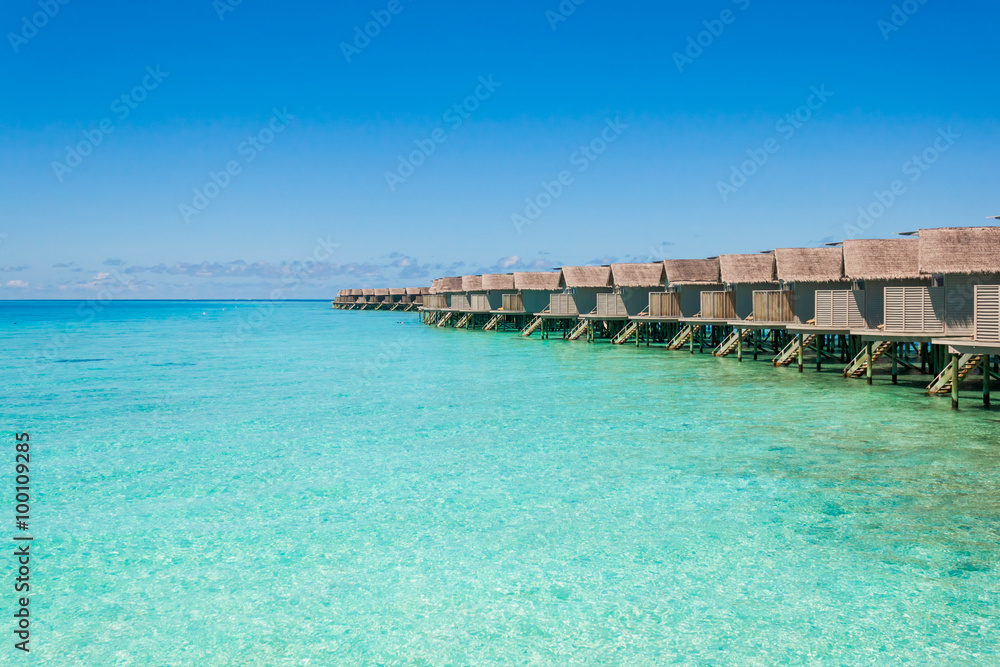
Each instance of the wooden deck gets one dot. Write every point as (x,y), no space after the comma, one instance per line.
(811,329)
(759,324)
(897,336)
(968,346)
(605,318)
(651,318)
(706,321)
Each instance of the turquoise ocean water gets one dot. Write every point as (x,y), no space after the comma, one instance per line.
(257,484)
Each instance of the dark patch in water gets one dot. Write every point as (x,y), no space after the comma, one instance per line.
(77,361)
(833,510)
(966,568)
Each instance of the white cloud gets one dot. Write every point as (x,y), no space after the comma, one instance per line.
(16,283)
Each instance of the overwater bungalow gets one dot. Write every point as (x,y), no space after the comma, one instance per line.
(469,302)
(451,288)
(473,286)
(495,287)
(497,292)
(801,272)
(872,265)
(629,298)
(534,291)
(435,299)
(695,307)
(459,300)
(804,273)
(933,306)
(744,275)
(581,287)
(413,296)
(751,281)
(880,271)
(367,298)
(694,289)
(348,298)
(396,294)
(447,297)
(965,300)
(633,284)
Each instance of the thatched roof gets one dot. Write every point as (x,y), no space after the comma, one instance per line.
(413,291)
(381,291)
(356,292)
(368,292)
(882,259)
(638,275)
(448,285)
(425,290)
(498,281)
(397,291)
(962,250)
(810,265)
(587,276)
(692,271)
(545,281)
(747,269)
(472,283)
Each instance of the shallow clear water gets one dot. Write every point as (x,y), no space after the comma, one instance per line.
(223,484)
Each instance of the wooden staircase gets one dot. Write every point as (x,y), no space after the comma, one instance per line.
(683,336)
(492,324)
(942,383)
(444,320)
(625,333)
(791,351)
(532,328)
(464,322)
(859,366)
(579,330)
(728,346)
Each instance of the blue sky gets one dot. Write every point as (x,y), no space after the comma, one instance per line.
(648,112)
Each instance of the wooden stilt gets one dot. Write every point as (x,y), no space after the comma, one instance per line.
(954,380)
(756,333)
(800,353)
(895,361)
(819,352)
(739,345)
(986,382)
(868,353)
